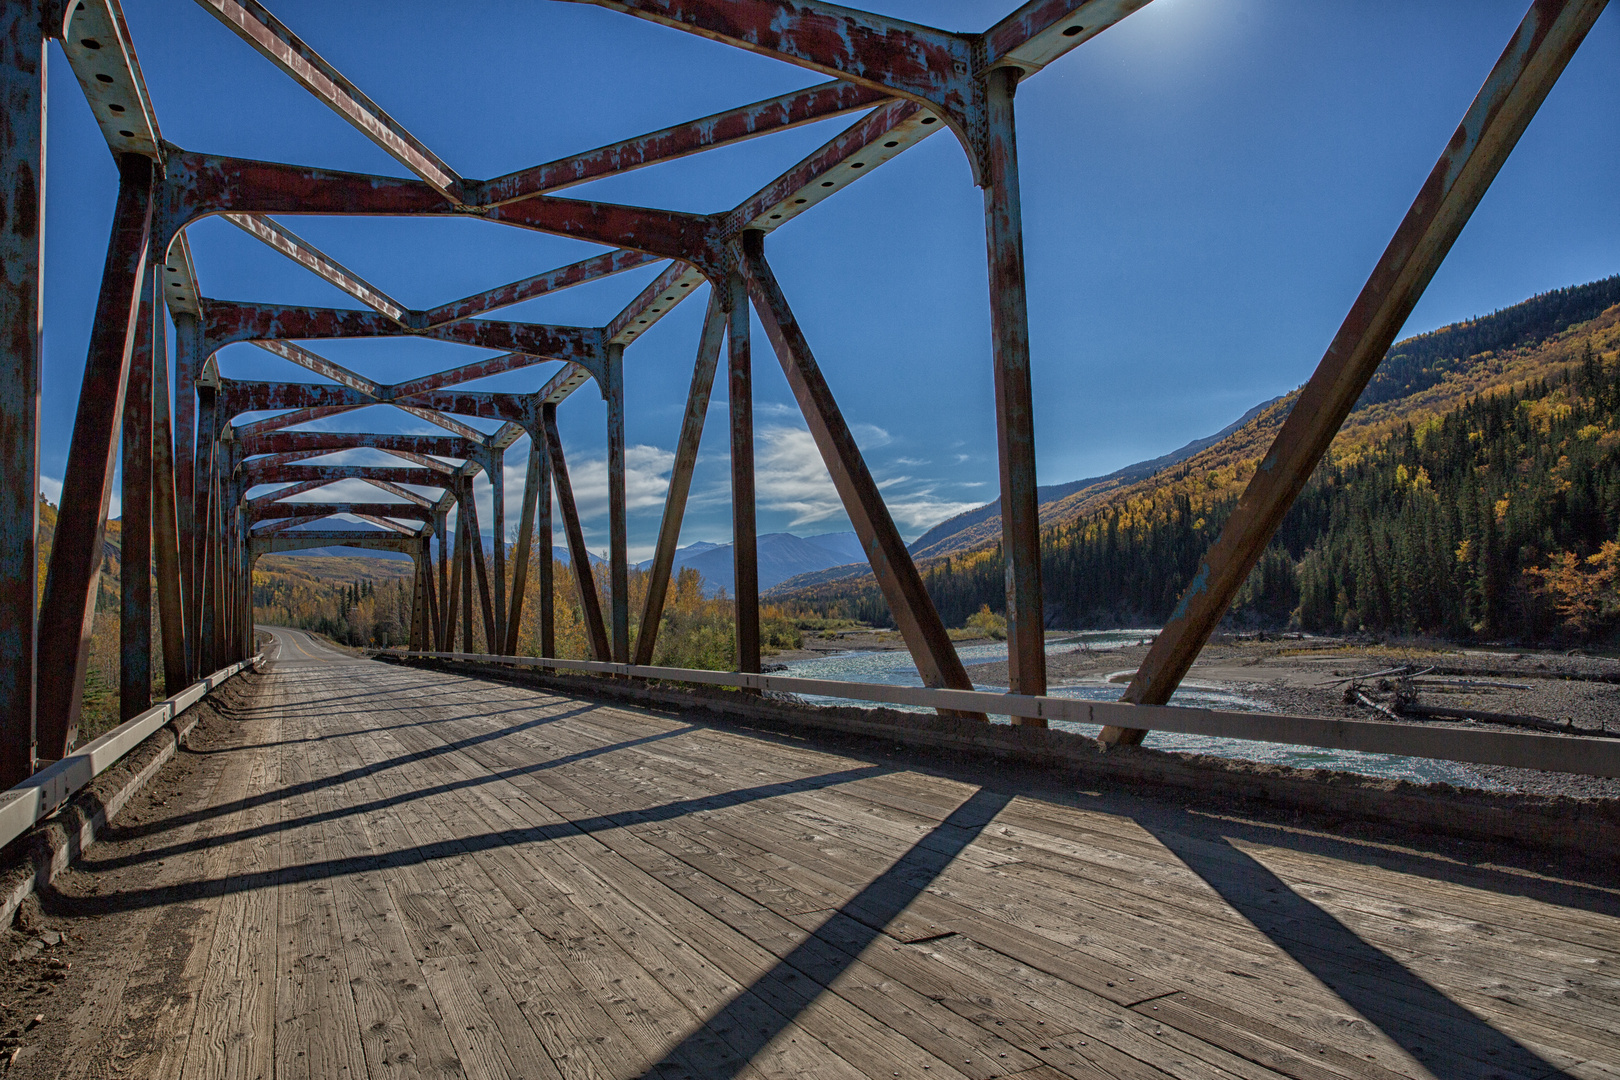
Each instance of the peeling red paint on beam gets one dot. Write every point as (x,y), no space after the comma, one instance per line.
(388,523)
(271,37)
(316,509)
(318,262)
(226,322)
(286,492)
(239,396)
(723,128)
(327,474)
(932,65)
(592,269)
(196,185)
(667,234)
(283,442)
(434,463)
(562,384)
(449,423)
(482,404)
(653,303)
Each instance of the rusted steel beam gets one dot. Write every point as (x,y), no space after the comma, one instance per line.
(744,541)
(478,369)
(286,442)
(22,260)
(468,541)
(386,523)
(592,269)
(653,303)
(165,520)
(307,510)
(452,594)
(179,276)
(433,617)
(69,604)
(290,419)
(196,185)
(270,36)
(931,66)
(668,234)
(562,384)
(896,574)
(319,364)
(680,476)
(1042,30)
(403,493)
(286,492)
(480,403)
(238,396)
(480,563)
(449,423)
(496,469)
(135,555)
(187,346)
(520,556)
(1529,66)
(97,44)
(733,125)
(201,513)
(442,531)
(849,155)
(326,474)
(543,537)
(579,558)
(1015,404)
(618,528)
(310,257)
(375,540)
(433,463)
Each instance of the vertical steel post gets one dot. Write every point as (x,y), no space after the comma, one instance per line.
(680,477)
(543,539)
(618,527)
(1015,409)
(497,481)
(431,625)
(442,529)
(525,540)
(202,541)
(69,605)
(1527,69)
(479,563)
(22,258)
(744,542)
(896,574)
(467,542)
(165,523)
(418,608)
(579,559)
(189,489)
(452,592)
(135,578)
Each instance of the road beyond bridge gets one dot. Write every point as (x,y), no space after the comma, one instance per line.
(368,870)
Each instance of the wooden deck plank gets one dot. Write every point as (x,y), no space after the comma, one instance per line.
(421,874)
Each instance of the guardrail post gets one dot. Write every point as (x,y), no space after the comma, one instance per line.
(1015,407)
(69,605)
(744,541)
(1547,37)
(22,260)
(680,476)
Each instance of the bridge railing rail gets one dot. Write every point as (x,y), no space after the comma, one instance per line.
(24,806)
(1573,753)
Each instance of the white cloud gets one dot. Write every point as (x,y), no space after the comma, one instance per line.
(789,476)
(646,480)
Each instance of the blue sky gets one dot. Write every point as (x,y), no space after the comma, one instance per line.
(1206,187)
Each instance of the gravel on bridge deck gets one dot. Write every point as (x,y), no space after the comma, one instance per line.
(367,870)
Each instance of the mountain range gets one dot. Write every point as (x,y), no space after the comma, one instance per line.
(781,556)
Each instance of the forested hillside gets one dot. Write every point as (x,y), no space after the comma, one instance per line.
(1473,496)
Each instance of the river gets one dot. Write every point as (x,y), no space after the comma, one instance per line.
(896,669)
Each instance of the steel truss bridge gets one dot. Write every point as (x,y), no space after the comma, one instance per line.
(187,476)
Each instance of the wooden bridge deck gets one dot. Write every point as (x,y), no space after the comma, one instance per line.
(385,872)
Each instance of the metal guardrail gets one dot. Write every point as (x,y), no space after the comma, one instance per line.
(24,806)
(1525,750)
